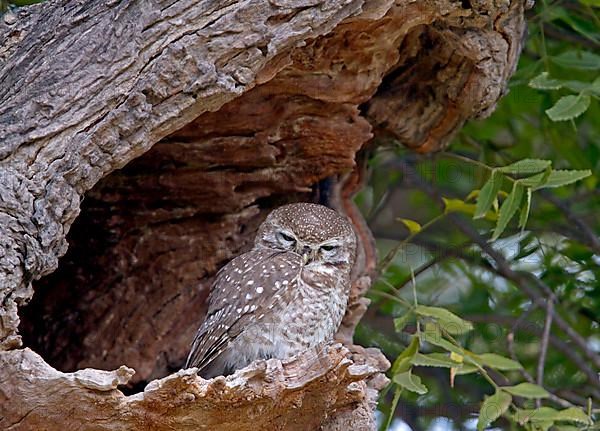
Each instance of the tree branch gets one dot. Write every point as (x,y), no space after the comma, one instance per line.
(585,232)
(544,342)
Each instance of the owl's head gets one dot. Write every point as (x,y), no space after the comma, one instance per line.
(315,232)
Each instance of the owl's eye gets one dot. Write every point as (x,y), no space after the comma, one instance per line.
(286,238)
(328,247)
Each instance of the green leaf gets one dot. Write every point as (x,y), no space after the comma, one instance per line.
(525,208)
(544,82)
(569,107)
(563,177)
(535,180)
(466,369)
(492,408)
(543,425)
(487,194)
(508,209)
(400,322)
(595,87)
(548,414)
(411,225)
(448,320)
(435,360)
(527,390)
(498,362)
(402,362)
(584,60)
(574,414)
(584,87)
(432,335)
(471,359)
(526,167)
(522,416)
(410,382)
(457,205)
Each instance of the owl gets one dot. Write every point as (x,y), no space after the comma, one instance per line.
(287,294)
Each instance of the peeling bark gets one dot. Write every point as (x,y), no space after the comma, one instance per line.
(183,123)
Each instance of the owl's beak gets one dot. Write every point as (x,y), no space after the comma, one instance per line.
(306,254)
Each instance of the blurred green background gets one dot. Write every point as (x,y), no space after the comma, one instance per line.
(551,112)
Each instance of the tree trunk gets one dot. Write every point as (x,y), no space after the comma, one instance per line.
(183,123)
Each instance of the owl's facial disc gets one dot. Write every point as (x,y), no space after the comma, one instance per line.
(317,234)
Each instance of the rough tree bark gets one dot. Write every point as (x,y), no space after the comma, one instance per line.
(183,123)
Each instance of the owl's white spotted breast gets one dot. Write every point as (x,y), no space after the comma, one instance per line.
(310,315)
(264,304)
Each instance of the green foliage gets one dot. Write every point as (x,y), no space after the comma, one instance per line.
(498,362)
(533,174)
(569,107)
(508,209)
(492,408)
(450,321)
(546,416)
(526,390)
(410,382)
(411,225)
(488,194)
(501,223)
(5,5)
(439,325)
(435,360)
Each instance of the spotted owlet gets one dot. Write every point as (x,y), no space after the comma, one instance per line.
(287,294)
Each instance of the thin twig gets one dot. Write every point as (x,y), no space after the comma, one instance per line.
(558,400)
(578,339)
(510,339)
(544,344)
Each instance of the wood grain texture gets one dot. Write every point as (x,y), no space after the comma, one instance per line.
(87,87)
(267,395)
(183,123)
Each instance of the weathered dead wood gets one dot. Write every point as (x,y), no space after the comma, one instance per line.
(253,103)
(267,395)
(87,87)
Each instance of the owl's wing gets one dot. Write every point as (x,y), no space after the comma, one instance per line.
(244,289)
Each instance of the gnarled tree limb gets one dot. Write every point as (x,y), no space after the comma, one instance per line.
(266,395)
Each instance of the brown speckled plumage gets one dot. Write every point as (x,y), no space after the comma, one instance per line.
(287,294)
